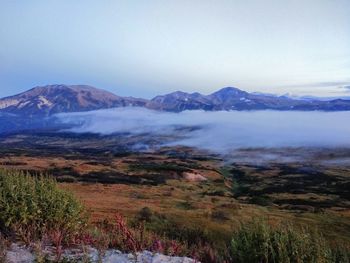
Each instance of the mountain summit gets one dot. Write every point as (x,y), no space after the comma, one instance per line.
(51,99)
(231,98)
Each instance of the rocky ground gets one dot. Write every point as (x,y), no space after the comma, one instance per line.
(21,254)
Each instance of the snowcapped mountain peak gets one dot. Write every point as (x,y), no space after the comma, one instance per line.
(51,99)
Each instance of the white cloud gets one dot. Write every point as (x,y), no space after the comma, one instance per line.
(222,131)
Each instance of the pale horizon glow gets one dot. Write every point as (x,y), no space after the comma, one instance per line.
(146,48)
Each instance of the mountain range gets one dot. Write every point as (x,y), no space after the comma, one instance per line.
(52,99)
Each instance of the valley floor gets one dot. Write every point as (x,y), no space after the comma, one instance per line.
(193,189)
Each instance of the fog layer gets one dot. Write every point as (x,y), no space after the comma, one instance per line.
(221,131)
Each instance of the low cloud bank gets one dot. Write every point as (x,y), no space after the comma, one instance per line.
(222,131)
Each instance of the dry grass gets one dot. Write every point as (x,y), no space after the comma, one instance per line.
(189,203)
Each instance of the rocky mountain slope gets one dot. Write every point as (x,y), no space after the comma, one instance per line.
(235,99)
(51,99)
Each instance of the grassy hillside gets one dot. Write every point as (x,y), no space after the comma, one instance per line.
(198,200)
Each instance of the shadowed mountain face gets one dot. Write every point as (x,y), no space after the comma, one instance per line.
(51,99)
(235,99)
(180,101)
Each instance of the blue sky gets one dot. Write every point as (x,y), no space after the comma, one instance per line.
(144,48)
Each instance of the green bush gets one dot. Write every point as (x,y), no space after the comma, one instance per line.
(258,242)
(31,206)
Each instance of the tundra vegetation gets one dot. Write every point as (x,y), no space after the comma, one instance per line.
(176,200)
(35,210)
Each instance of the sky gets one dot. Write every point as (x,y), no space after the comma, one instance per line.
(145,48)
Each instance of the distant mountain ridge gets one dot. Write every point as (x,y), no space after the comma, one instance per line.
(231,98)
(52,99)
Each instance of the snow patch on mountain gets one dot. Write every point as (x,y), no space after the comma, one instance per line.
(8,102)
(44,102)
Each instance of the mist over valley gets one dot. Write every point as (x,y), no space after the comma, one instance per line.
(175,131)
(220,131)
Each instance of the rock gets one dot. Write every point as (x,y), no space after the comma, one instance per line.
(146,257)
(19,254)
(194,177)
(158,258)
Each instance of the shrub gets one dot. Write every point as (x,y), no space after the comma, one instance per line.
(3,247)
(259,242)
(185,205)
(101,241)
(34,206)
(195,241)
(261,200)
(119,235)
(159,167)
(220,215)
(66,179)
(145,214)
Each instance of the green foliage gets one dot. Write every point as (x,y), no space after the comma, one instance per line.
(167,227)
(199,242)
(259,242)
(31,206)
